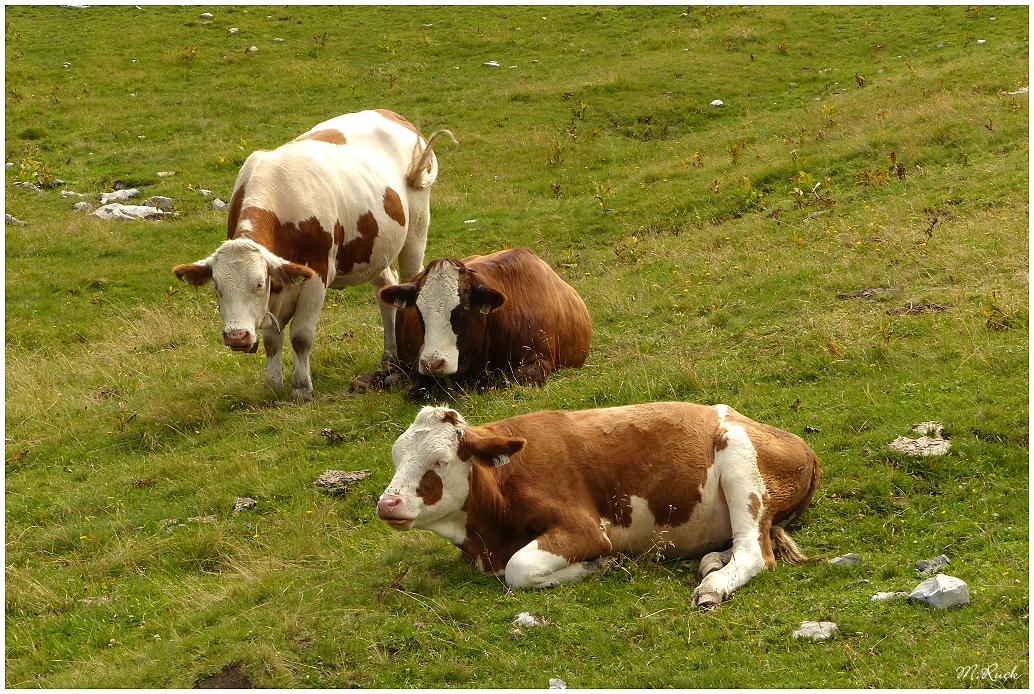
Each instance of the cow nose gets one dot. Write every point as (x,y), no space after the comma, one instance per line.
(435,366)
(386,505)
(237,339)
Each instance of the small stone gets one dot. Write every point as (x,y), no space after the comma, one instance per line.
(82,206)
(55,183)
(526,619)
(818,631)
(71,193)
(278,40)
(218,204)
(206,15)
(243,502)
(932,566)
(939,44)
(880,597)
(9,165)
(234,30)
(166,174)
(204,191)
(159,201)
(26,184)
(718,102)
(557,683)
(941,592)
(470,221)
(253,49)
(210,518)
(980,42)
(491,63)
(847,560)
(119,195)
(339,481)
(11,219)
(925,444)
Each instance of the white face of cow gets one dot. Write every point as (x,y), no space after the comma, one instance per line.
(430,481)
(241,271)
(438,298)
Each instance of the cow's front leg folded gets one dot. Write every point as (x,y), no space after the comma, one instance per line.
(557,557)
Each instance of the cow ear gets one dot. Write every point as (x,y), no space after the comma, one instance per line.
(399,295)
(487,447)
(288,273)
(197,274)
(486,298)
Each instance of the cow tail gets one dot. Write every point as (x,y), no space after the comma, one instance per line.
(785,548)
(421,172)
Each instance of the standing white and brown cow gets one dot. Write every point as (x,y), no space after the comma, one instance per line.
(548,497)
(484,318)
(332,208)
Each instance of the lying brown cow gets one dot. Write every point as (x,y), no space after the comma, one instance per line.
(543,498)
(472,320)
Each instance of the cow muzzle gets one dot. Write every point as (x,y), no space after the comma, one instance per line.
(240,341)
(387,506)
(432,366)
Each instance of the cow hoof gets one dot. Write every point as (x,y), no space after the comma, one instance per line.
(277,384)
(714,561)
(706,600)
(301,394)
(393,380)
(602,563)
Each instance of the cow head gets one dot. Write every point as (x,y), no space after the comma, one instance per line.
(433,461)
(242,273)
(453,302)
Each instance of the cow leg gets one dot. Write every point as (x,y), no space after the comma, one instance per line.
(544,561)
(533,374)
(303,330)
(273,339)
(387,277)
(744,491)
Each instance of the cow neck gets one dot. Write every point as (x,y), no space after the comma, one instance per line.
(493,533)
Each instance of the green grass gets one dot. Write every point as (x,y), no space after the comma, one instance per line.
(123,410)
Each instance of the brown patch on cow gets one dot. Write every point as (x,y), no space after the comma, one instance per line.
(450,417)
(430,488)
(393,206)
(721,440)
(755,506)
(235,212)
(329,135)
(339,234)
(305,243)
(359,249)
(396,118)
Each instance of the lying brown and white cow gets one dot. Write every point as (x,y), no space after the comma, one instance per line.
(332,208)
(474,319)
(542,498)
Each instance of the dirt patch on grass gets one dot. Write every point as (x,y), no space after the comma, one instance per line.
(230,677)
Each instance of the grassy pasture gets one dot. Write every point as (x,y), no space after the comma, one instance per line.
(858,147)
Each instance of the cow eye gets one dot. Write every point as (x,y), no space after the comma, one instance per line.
(259,287)
(439,465)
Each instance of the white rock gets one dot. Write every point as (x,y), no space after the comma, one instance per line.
(14,221)
(924,445)
(233,30)
(847,560)
(1021,90)
(279,40)
(242,503)
(718,102)
(204,191)
(159,201)
(119,195)
(930,566)
(980,42)
(513,67)
(218,204)
(166,174)
(26,184)
(206,15)
(491,63)
(253,49)
(526,619)
(82,206)
(880,597)
(117,210)
(9,165)
(71,193)
(556,682)
(818,631)
(942,592)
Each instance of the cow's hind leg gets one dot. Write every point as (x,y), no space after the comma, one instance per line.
(558,557)
(744,491)
(386,278)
